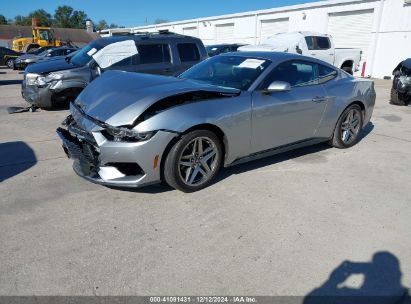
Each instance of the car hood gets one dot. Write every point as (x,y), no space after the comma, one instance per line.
(47,66)
(119,98)
(27,56)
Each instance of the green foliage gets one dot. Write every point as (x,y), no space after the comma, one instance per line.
(101,25)
(64,16)
(43,18)
(3,20)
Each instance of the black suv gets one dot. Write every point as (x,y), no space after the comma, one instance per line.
(55,83)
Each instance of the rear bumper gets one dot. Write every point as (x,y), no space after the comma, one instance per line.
(120,164)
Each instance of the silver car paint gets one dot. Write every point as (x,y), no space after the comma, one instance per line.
(251,122)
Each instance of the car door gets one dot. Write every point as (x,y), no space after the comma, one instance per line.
(320,48)
(286,117)
(154,58)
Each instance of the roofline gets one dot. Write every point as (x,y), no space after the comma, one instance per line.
(258,12)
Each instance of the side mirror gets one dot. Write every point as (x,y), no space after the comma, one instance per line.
(277,86)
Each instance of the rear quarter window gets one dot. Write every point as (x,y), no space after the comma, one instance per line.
(325,73)
(188,52)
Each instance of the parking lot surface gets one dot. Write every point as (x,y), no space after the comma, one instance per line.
(277,226)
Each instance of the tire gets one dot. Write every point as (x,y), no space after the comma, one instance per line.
(348,128)
(348,70)
(10,64)
(396,99)
(185,165)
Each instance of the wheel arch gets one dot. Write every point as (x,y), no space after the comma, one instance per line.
(203,126)
(347,63)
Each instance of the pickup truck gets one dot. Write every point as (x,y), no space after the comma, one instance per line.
(311,44)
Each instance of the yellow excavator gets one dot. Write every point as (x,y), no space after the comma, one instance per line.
(41,36)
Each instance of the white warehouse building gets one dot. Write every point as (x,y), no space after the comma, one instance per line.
(380,28)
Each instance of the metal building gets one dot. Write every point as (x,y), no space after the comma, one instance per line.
(381,28)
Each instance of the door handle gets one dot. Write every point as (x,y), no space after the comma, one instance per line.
(319,99)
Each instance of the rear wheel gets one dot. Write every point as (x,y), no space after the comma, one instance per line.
(193,161)
(10,63)
(347,130)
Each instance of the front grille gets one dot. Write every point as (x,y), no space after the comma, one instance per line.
(76,149)
(81,134)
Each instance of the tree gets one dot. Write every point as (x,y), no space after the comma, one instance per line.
(159,20)
(3,20)
(62,16)
(43,18)
(22,20)
(66,16)
(101,25)
(78,19)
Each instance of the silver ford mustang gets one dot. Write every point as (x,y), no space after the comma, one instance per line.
(128,129)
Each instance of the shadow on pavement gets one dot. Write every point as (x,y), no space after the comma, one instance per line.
(10,82)
(374,282)
(15,157)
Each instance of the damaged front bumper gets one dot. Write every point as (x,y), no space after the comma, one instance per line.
(36,96)
(121,164)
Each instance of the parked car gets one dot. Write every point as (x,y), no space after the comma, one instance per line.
(11,56)
(7,56)
(401,85)
(49,84)
(217,49)
(130,129)
(23,61)
(320,46)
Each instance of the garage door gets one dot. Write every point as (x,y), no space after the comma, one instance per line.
(352,29)
(271,27)
(190,31)
(224,32)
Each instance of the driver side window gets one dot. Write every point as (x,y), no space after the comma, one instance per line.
(296,73)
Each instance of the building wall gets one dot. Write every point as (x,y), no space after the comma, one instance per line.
(390,38)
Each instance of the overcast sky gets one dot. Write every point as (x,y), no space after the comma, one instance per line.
(135,12)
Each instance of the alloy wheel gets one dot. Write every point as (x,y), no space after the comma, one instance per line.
(350,126)
(198,161)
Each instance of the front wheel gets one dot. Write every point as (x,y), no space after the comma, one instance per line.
(396,98)
(193,161)
(347,130)
(10,64)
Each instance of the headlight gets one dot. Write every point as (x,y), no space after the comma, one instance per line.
(124,134)
(31,79)
(53,76)
(35,79)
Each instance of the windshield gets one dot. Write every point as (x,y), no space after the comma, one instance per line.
(37,51)
(83,56)
(44,53)
(228,71)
